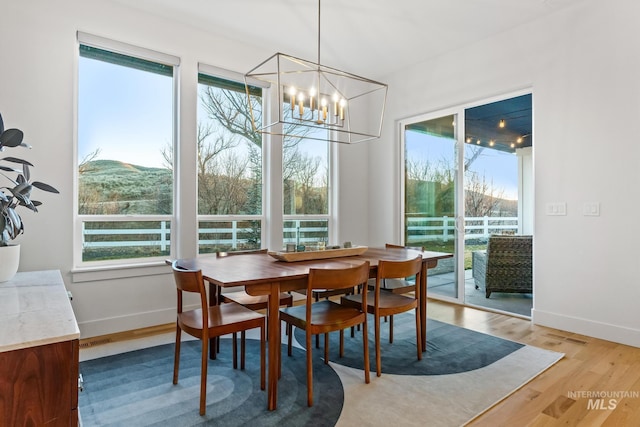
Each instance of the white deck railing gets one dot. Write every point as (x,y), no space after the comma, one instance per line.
(420,229)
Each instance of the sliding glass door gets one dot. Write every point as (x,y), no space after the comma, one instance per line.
(430,196)
(467,176)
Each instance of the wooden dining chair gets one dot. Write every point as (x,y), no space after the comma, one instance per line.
(381,304)
(259,302)
(400,285)
(212,321)
(326,316)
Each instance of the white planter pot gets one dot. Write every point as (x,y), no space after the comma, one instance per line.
(9,260)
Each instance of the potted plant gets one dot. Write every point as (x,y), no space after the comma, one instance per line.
(15,194)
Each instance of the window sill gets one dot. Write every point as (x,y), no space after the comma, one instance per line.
(109,272)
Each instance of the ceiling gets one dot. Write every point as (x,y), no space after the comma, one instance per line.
(371,38)
(482,125)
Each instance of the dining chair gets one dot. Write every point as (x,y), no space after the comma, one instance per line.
(259,302)
(322,317)
(401,285)
(397,285)
(211,321)
(381,304)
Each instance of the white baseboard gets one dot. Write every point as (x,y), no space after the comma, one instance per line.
(605,331)
(112,325)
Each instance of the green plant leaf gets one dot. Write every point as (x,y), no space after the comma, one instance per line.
(16,160)
(11,138)
(45,187)
(25,172)
(8,169)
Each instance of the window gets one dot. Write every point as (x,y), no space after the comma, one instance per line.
(305,191)
(229,166)
(125,146)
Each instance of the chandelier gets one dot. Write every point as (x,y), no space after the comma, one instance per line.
(317,102)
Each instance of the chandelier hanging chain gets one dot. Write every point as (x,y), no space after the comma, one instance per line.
(318,34)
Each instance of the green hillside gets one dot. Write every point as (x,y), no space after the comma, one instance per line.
(113,187)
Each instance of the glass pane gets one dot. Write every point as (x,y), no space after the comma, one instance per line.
(496,135)
(305,177)
(430,206)
(224,236)
(229,151)
(109,240)
(306,232)
(125,128)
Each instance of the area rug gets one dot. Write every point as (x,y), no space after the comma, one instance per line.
(135,389)
(462,374)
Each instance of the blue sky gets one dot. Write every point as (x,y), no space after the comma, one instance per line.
(493,164)
(125,113)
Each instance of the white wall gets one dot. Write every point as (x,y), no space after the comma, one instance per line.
(37,95)
(583,65)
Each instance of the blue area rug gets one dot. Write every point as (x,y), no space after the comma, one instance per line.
(135,388)
(450,349)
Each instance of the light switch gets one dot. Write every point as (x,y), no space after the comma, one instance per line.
(591,209)
(558,208)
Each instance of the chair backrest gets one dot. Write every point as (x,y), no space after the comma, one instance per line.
(509,259)
(245,252)
(340,278)
(189,281)
(415,248)
(388,269)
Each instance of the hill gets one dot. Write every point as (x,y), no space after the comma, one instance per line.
(114,187)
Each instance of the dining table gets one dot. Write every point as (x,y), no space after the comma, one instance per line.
(262,274)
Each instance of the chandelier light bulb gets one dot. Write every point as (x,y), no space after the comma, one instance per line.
(502,123)
(312,93)
(292,95)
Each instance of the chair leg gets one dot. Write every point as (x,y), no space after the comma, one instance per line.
(235,351)
(378,358)
(418,333)
(326,348)
(289,339)
(242,340)
(176,357)
(391,329)
(309,372)
(203,377)
(341,343)
(262,356)
(365,343)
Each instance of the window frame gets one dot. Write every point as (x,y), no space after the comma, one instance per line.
(80,266)
(237,78)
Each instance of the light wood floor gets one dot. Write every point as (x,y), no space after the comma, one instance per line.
(590,365)
(567,394)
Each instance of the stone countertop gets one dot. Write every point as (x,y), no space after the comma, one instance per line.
(35,310)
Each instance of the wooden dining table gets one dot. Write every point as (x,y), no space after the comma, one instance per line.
(261,274)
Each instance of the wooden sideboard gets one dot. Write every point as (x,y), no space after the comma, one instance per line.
(38,352)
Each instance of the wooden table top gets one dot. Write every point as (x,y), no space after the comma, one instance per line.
(255,269)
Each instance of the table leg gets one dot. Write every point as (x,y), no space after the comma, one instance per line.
(273,324)
(423,305)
